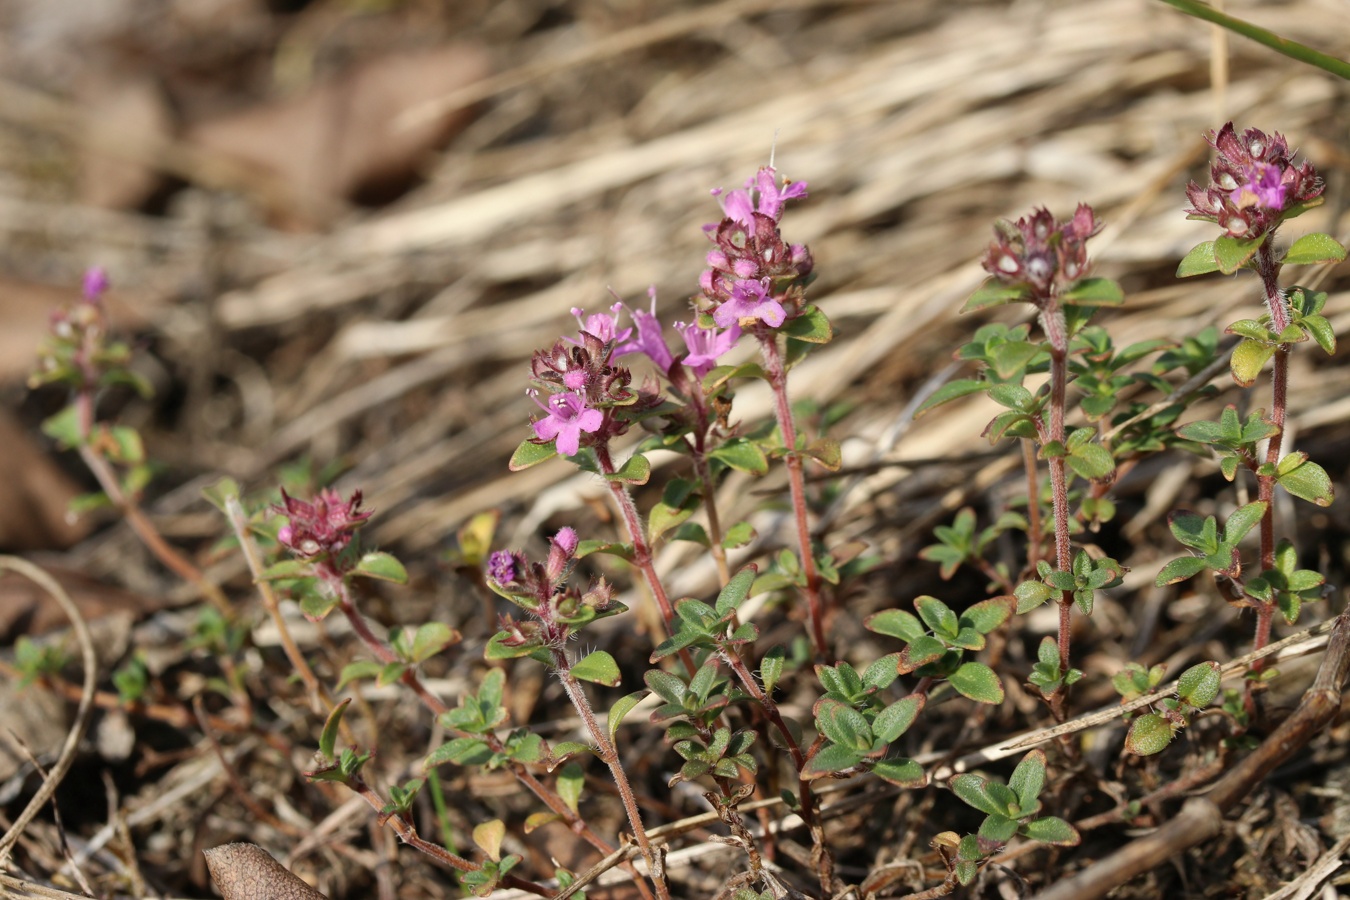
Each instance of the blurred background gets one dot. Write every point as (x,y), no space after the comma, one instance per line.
(337,229)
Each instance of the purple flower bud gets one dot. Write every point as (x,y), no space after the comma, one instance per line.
(560,554)
(95,284)
(502,567)
(323,527)
(1046,255)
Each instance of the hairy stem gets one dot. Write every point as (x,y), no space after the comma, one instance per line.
(563,666)
(807,799)
(381,651)
(1052,320)
(777,377)
(1033,504)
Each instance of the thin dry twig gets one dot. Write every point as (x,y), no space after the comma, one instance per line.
(82,714)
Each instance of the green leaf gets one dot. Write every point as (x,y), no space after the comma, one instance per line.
(905,773)
(1052,830)
(738,535)
(952,390)
(64,427)
(989,614)
(622,707)
(383,566)
(921,651)
(1320,330)
(362,668)
(1149,734)
(771,667)
(993,293)
(1180,569)
(1199,685)
(743,455)
(972,790)
(1247,361)
(1242,520)
(895,623)
(570,781)
(220,493)
(1092,461)
(811,326)
(1232,253)
(997,829)
(977,682)
(1095,292)
(1314,248)
(463,751)
(530,453)
(635,470)
(1308,481)
(1031,594)
(895,719)
(737,589)
(1028,779)
(1200,261)
(598,667)
(431,639)
(843,725)
(937,616)
(831,758)
(328,737)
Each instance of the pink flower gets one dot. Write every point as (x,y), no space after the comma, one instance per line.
(605,326)
(568,416)
(706,345)
(750,300)
(95,283)
(649,341)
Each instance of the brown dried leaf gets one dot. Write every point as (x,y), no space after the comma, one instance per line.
(340,139)
(248,872)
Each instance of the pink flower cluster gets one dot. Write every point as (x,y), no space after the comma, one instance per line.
(1254,183)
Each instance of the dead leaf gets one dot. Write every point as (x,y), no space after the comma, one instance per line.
(111,176)
(248,872)
(35,497)
(339,139)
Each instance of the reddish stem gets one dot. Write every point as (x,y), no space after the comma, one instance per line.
(1056,332)
(776,375)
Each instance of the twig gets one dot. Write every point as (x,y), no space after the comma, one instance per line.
(86,708)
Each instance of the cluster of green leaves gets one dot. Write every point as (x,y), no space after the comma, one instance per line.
(700,626)
(480,714)
(1085,577)
(690,708)
(411,647)
(332,765)
(120,445)
(721,755)
(937,639)
(38,659)
(961,544)
(859,732)
(1010,809)
(1151,732)
(1236,442)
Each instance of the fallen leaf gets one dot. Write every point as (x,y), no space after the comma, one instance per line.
(248,872)
(340,139)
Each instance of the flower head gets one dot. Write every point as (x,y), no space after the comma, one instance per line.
(1253,183)
(502,567)
(323,527)
(1046,255)
(750,250)
(568,416)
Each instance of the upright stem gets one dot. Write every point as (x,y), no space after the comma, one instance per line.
(808,803)
(1033,504)
(777,378)
(1269,271)
(563,666)
(642,551)
(1056,332)
(384,654)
